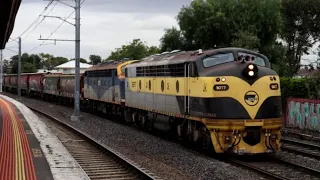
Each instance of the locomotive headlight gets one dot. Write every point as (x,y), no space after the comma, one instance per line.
(223,79)
(250,71)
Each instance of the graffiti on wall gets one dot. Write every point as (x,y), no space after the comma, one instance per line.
(303,114)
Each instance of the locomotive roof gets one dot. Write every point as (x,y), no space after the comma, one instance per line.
(22,74)
(184,56)
(107,65)
(61,75)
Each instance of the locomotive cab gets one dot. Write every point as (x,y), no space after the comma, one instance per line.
(237,94)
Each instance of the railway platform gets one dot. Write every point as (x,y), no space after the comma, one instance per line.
(28,149)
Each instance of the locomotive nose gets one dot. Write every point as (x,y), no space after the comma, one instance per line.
(250,71)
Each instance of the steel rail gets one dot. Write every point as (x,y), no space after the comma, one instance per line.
(142,173)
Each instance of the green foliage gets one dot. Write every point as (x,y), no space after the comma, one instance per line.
(300,30)
(218,23)
(28,68)
(95,59)
(49,61)
(81,60)
(250,24)
(171,40)
(29,63)
(54,61)
(308,88)
(246,40)
(152,50)
(135,50)
(6,64)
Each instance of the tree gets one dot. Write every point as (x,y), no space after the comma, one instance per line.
(6,65)
(219,23)
(28,68)
(29,64)
(301,30)
(135,50)
(153,50)
(171,40)
(49,61)
(81,60)
(246,39)
(95,59)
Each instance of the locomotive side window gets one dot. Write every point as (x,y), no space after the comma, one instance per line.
(217,59)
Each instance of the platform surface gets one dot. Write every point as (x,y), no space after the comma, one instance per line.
(28,149)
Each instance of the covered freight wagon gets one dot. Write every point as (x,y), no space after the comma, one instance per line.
(51,85)
(36,83)
(6,82)
(13,82)
(24,83)
(67,84)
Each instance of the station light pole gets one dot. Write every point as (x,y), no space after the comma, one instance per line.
(19,69)
(76,115)
(19,65)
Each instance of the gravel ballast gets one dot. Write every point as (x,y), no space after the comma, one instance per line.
(299,159)
(166,159)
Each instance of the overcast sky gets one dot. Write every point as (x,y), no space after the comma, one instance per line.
(105,25)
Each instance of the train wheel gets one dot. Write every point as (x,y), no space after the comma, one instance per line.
(128,116)
(205,138)
(144,121)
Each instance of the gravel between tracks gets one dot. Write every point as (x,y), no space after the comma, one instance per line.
(299,159)
(166,159)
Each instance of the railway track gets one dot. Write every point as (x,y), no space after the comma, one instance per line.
(299,135)
(275,168)
(98,161)
(301,147)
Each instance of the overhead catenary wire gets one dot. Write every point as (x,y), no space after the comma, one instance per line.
(40,21)
(63,21)
(37,19)
(51,33)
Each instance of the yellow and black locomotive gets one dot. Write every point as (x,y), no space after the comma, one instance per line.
(228,99)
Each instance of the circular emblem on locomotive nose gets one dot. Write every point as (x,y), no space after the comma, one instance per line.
(251,98)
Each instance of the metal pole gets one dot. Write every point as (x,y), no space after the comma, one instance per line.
(1,71)
(19,69)
(76,115)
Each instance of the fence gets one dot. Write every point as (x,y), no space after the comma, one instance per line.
(303,114)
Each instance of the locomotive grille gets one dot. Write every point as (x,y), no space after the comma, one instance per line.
(253,136)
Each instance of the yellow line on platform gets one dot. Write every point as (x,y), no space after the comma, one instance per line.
(19,159)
